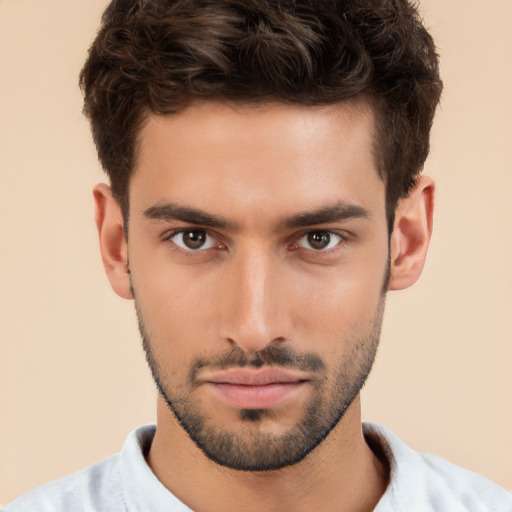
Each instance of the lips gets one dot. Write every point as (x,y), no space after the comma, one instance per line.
(260,377)
(254,389)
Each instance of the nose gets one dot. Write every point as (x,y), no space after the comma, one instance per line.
(253,313)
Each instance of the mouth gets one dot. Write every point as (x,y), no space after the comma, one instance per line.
(244,388)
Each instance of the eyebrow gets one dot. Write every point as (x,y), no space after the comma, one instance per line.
(172,211)
(333,213)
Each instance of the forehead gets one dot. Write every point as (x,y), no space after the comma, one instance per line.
(221,156)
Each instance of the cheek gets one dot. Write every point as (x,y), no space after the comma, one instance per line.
(340,301)
(177,305)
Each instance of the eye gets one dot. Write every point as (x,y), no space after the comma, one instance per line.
(319,240)
(193,239)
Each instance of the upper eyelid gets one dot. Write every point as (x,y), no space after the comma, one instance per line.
(338,234)
(345,235)
(173,232)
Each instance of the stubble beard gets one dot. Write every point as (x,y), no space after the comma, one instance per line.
(248,448)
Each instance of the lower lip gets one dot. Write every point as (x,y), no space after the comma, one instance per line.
(255,397)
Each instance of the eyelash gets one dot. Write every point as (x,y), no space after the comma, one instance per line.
(342,239)
(188,250)
(331,234)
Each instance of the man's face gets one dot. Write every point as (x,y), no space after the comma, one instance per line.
(258,252)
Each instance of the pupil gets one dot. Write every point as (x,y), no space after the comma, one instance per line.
(319,239)
(194,239)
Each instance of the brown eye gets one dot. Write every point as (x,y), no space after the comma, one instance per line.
(193,239)
(319,240)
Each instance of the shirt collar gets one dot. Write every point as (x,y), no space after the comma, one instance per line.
(142,489)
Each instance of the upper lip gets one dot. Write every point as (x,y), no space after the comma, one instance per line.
(252,377)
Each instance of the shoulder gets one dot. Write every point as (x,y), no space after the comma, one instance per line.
(423,482)
(102,487)
(95,488)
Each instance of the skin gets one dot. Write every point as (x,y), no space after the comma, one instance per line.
(259,283)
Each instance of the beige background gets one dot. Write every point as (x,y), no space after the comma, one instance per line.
(73,380)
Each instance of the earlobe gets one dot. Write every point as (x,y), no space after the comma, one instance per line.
(411,234)
(113,245)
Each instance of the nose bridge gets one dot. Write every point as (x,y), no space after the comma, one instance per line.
(253,316)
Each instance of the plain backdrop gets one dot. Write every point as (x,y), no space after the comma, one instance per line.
(73,380)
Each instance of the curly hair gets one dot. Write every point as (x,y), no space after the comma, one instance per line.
(158,56)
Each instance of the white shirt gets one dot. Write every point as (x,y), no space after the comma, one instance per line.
(125,483)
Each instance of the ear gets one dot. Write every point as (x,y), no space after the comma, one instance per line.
(411,234)
(113,245)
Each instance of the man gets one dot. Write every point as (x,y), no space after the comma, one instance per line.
(264,162)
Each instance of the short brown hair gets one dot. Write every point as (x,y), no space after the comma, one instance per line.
(158,56)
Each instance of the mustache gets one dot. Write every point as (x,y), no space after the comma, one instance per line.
(272,355)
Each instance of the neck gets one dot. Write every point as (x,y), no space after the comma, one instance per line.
(341,474)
